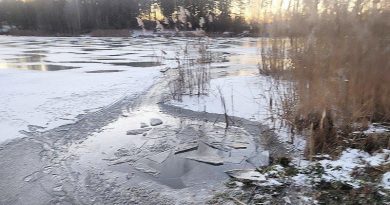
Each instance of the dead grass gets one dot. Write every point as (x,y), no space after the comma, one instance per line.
(340,68)
(193,71)
(274,59)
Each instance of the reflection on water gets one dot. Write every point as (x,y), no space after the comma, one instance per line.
(233,53)
(45,67)
(31,62)
(244,59)
(33,58)
(27,58)
(220,73)
(36,67)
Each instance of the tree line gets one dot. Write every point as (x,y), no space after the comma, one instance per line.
(80,16)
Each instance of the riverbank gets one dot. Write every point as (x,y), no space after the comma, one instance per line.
(133,33)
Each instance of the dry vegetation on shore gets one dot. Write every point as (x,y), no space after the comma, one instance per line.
(337,55)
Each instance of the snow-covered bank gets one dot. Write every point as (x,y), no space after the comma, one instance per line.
(356,177)
(348,168)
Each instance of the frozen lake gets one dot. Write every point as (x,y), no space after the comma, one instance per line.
(49,81)
(94,120)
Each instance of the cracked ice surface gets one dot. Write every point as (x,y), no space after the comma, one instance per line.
(90,73)
(29,96)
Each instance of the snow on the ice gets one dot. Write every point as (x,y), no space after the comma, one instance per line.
(246,96)
(50,99)
(53,98)
(242,97)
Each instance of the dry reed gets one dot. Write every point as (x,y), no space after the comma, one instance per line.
(339,64)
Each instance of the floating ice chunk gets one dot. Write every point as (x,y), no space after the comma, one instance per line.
(238,145)
(259,159)
(160,157)
(234,160)
(138,131)
(208,159)
(143,125)
(155,122)
(186,147)
(146,169)
(246,175)
(126,159)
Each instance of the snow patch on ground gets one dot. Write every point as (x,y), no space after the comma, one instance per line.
(308,180)
(375,128)
(386,181)
(340,170)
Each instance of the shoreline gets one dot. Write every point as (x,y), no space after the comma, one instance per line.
(134,33)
